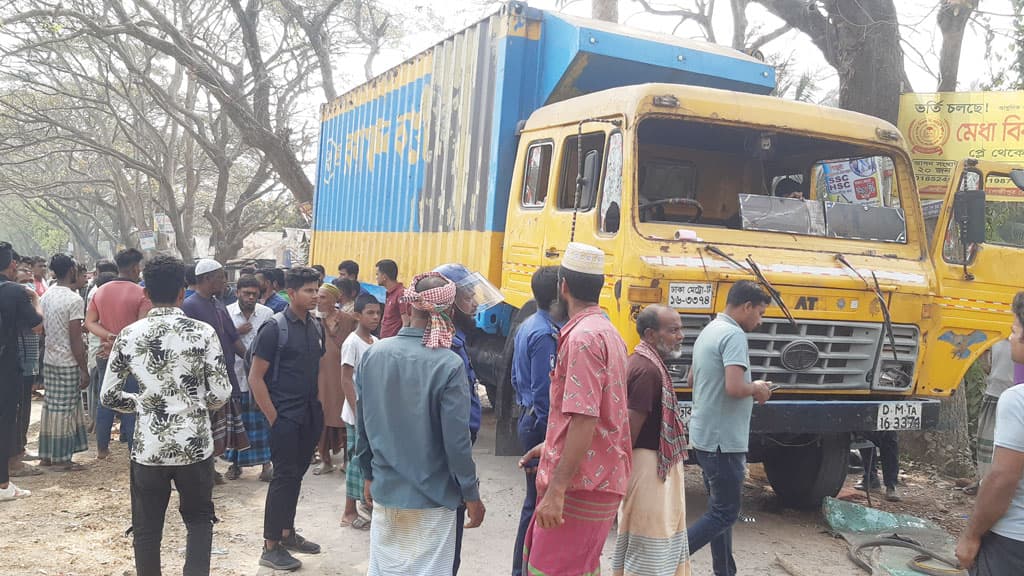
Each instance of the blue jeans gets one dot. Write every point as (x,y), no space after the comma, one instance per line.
(531,433)
(723,480)
(105,416)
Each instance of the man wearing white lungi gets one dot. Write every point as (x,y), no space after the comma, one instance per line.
(414,447)
(652,519)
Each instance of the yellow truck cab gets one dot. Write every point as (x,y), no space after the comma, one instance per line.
(690,189)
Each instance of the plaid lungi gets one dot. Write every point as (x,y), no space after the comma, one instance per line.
(228,430)
(257,429)
(62,431)
(353,473)
(986,433)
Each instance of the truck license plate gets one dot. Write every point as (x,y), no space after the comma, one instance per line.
(899,416)
(690,295)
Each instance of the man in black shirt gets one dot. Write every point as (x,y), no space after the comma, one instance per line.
(17,314)
(283,380)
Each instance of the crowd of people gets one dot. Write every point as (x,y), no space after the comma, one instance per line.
(289,368)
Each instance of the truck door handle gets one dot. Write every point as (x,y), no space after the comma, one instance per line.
(552,253)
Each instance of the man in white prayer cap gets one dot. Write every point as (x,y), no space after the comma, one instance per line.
(585,459)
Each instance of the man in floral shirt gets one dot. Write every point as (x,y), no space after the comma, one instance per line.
(585,460)
(179,365)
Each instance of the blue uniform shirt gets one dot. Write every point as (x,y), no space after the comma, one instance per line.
(536,345)
(459,347)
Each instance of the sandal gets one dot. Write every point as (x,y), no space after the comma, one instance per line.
(971,490)
(70,467)
(323,469)
(360,523)
(25,471)
(233,473)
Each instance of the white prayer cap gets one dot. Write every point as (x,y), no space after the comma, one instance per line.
(206,265)
(583,258)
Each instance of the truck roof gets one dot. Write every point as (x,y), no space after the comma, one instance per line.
(721,106)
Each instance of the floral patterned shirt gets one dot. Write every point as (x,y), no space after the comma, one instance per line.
(179,365)
(590,379)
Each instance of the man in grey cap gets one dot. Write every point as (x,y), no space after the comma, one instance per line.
(205,306)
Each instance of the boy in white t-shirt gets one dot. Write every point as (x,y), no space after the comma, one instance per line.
(367,312)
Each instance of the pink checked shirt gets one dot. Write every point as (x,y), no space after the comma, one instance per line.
(590,379)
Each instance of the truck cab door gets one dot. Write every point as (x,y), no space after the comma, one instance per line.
(977,252)
(592,214)
(524,229)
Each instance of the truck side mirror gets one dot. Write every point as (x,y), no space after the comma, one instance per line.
(969,211)
(1017,176)
(589,182)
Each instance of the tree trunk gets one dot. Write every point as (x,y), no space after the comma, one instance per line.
(869,58)
(952,18)
(607,10)
(948,446)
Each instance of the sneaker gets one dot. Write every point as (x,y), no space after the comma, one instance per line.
(891,495)
(12,492)
(875,485)
(277,558)
(296,543)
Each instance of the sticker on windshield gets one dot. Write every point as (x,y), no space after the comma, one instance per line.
(690,295)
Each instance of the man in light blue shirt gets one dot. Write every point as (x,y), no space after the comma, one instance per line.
(723,397)
(993,543)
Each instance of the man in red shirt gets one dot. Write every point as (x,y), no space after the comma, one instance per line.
(396,315)
(39,275)
(115,305)
(585,460)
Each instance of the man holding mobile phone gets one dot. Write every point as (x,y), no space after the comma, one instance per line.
(723,398)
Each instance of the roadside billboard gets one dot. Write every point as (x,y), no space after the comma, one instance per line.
(943,128)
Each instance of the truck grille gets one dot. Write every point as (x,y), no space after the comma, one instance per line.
(847,354)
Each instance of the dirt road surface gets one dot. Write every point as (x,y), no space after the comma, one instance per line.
(74,523)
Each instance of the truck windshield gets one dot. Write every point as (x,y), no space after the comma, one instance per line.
(701,174)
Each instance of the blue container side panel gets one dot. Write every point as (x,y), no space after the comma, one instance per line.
(370,163)
(517,74)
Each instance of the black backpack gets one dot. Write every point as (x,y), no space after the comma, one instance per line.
(282,341)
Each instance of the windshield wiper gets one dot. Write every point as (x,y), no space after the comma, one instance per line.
(756,270)
(881,301)
(718,252)
(753,269)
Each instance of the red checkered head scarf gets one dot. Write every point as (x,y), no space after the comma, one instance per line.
(437,301)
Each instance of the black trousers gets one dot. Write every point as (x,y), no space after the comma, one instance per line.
(460,523)
(23,416)
(151,490)
(888,452)
(292,441)
(10,399)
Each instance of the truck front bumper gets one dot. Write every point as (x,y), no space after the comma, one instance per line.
(833,416)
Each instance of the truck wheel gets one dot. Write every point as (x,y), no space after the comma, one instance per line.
(804,474)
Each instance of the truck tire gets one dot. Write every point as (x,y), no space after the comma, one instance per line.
(802,475)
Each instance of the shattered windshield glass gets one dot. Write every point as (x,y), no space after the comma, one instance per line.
(697,174)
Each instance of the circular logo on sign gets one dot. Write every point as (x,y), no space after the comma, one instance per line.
(799,356)
(928,135)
